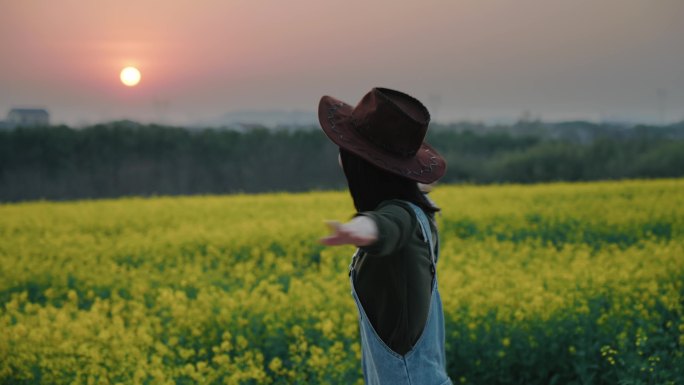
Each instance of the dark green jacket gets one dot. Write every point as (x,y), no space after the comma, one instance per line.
(394,276)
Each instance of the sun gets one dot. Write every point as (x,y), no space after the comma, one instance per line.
(130,76)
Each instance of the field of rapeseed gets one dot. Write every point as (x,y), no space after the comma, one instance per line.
(546,284)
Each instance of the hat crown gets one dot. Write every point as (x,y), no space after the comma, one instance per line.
(387,129)
(391,120)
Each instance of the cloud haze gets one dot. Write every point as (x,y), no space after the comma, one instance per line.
(468,59)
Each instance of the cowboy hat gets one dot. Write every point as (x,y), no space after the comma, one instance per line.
(386,128)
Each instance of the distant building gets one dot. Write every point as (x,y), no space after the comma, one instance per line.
(27,117)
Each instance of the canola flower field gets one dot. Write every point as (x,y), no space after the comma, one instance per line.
(543,284)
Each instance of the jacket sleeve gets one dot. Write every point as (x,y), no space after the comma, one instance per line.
(396,225)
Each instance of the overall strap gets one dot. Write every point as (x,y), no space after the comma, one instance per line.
(353,261)
(425,228)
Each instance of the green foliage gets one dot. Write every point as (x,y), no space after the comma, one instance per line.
(125,158)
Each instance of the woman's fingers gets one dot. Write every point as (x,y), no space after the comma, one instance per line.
(333,225)
(346,234)
(339,236)
(333,241)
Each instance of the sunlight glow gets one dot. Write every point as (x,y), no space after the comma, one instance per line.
(130,76)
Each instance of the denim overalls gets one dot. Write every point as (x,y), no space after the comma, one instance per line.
(425,363)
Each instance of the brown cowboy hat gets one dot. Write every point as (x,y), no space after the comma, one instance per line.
(387,128)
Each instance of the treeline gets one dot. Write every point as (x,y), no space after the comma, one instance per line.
(125,158)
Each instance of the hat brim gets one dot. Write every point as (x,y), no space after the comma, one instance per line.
(334,115)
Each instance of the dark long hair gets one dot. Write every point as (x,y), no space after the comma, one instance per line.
(370,185)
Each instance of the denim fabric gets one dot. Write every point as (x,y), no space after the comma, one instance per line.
(425,363)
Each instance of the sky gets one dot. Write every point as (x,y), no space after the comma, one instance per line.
(475,60)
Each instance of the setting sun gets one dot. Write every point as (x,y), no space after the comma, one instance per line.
(130,76)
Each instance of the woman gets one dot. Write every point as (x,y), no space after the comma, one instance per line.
(394,285)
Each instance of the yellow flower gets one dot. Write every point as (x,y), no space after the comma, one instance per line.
(149,290)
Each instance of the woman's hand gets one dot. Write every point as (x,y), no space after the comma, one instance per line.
(360,231)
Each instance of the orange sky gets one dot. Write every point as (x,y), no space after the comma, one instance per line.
(474,59)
